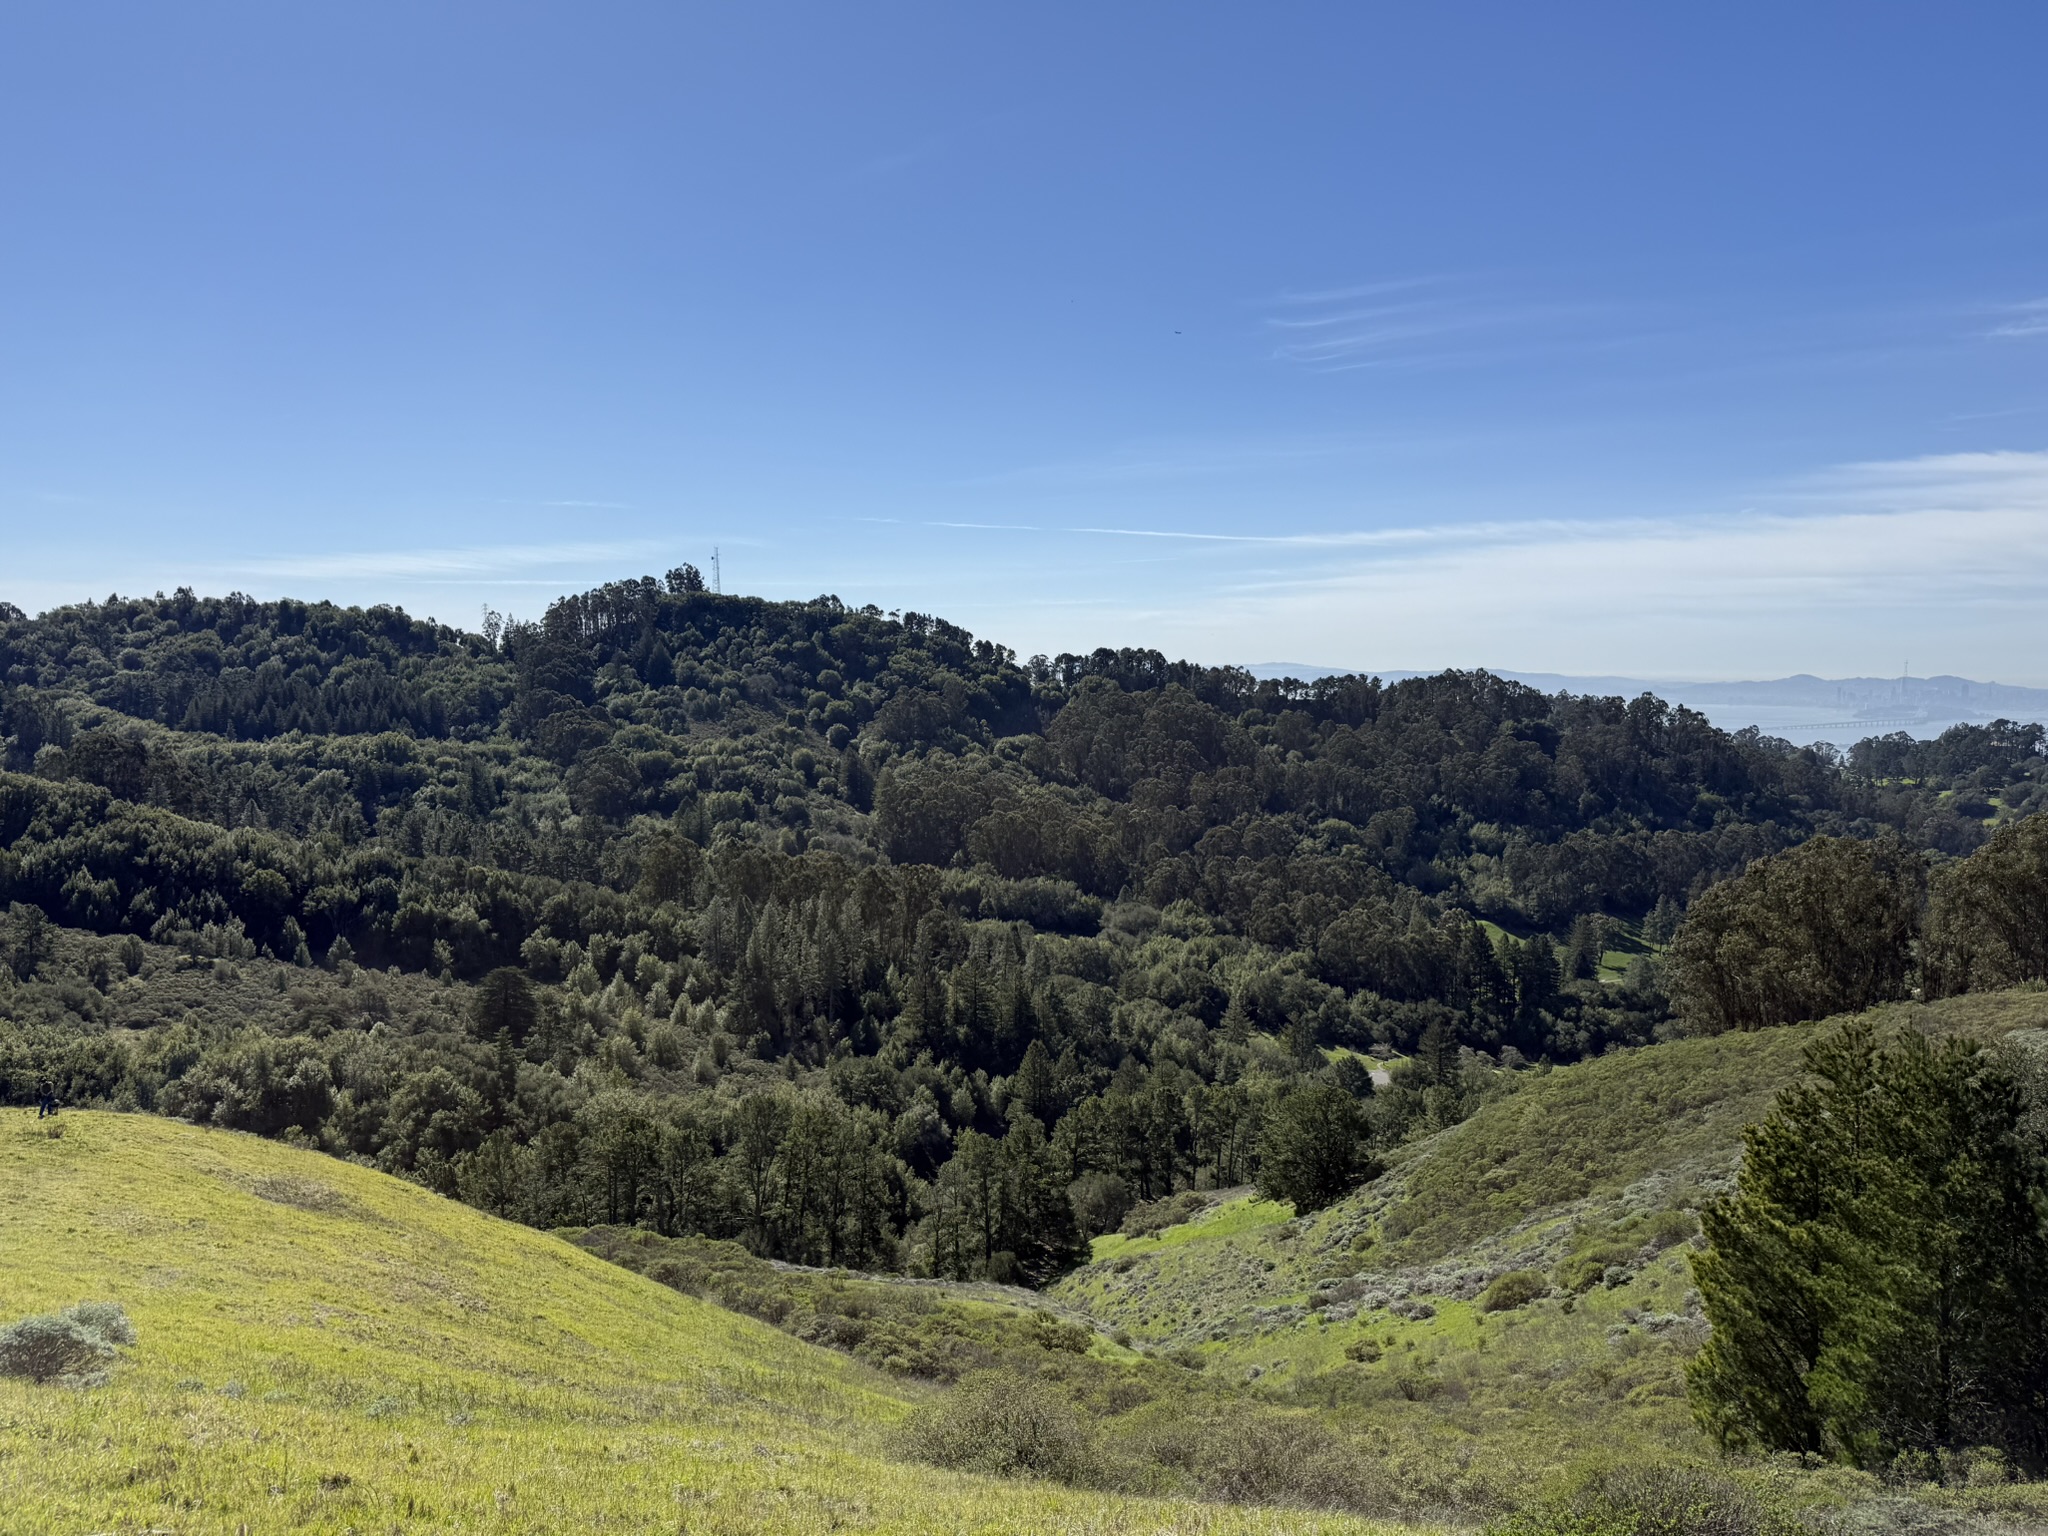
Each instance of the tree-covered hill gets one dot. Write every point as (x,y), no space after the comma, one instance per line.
(539,749)
(841,931)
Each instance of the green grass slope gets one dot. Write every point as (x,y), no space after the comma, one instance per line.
(1372,1310)
(323,1348)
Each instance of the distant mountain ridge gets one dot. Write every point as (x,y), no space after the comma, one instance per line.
(1802,703)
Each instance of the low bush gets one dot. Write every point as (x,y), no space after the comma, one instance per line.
(73,1347)
(105,1318)
(1516,1288)
(1585,1269)
(1006,1425)
(1667,1229)
(1157,1215)
(1650,1501)
(1243,1454)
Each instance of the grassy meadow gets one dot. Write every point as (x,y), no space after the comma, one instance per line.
(324,1348)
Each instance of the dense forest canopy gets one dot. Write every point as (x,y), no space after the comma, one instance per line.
(846,931)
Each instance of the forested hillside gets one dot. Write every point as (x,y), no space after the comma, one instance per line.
(845,932)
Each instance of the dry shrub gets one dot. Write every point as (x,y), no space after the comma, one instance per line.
(1157,1215)
(1009,1425)
(72,1347)
(1650,1501)
(1516,1288)
(1246,1455)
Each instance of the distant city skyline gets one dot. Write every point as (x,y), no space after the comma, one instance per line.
(1585,340)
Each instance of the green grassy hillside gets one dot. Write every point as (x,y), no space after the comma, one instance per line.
(324,1348)
(1585,1178)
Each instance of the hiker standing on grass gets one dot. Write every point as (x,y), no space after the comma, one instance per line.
(47,1104)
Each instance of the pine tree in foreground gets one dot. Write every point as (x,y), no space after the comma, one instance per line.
(1876,1282)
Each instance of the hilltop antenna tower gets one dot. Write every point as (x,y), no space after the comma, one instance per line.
(716,584)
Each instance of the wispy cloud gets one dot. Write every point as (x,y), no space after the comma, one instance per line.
(1947,555)
(1344,333)
(1321,296)
(1944,558)
(1183,459)
(1181,533)
(2028,319)
(1341,539)
(1415,322)
(1941,482)
(1332,539)
(1959,418)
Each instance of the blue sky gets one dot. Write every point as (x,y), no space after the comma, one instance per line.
(1674,341)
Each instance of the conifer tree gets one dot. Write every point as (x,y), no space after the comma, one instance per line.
(1237,1020)
(1313,1150)
(1771,1279)
(1033,1087)
(1875,1281)
(1041,1229)
(1967,1234)
(504,1006)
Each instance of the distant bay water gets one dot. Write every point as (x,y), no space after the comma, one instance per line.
(1801,709)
